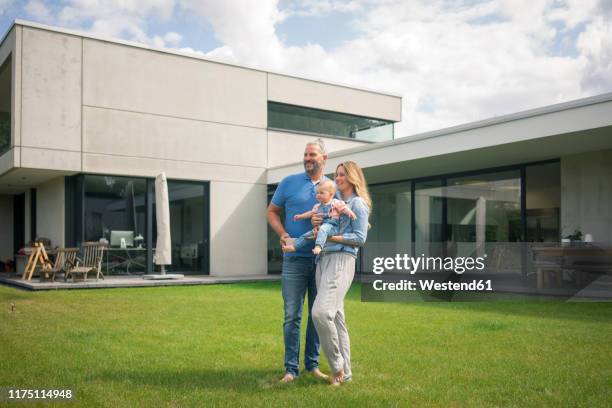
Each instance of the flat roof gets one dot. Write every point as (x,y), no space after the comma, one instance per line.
(84,34)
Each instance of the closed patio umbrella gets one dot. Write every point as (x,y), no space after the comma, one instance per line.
(163,248)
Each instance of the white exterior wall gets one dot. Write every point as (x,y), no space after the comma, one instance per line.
(302,92)
(50,211)
(586,194)
(238,229)
(285,148)
(50,100)
(6,227)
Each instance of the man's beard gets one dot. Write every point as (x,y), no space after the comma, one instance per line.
(312,167)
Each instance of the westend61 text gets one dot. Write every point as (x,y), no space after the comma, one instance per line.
(476,285)
(405,262)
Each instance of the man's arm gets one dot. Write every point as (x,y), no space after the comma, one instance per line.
(273,215)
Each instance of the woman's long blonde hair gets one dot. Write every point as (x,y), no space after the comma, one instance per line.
(355,176)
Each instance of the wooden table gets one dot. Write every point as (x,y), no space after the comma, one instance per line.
(581,258)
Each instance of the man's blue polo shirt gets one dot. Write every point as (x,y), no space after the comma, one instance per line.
(297,194)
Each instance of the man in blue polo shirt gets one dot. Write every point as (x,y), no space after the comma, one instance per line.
(296,194)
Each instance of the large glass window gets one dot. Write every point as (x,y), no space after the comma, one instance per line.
(484,217)
(428,218)
(188,226)
(115,210)
(326,123)
(543,185)
(471,214)
(5,106)
(391,222)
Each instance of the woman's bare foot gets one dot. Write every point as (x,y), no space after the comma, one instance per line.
(316,250)
(288,248)
(337,379)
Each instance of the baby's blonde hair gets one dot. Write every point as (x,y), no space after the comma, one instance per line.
(327,185)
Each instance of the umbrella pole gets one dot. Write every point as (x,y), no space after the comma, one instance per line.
(163,269)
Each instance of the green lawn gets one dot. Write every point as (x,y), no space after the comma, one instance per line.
(222,344)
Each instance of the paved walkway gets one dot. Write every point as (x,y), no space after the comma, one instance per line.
(129,281)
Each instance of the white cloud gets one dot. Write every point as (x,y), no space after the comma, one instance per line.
(246,27)
(318,7)
(5,5)
(172,39)
(38,10)
(595,43)
(126,19)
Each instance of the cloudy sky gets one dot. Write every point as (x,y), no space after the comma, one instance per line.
(453,61)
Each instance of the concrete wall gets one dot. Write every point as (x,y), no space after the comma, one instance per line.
(586,194)
(6,227)
(50,211)
(50,100)
(238,229)
(200,120)
(336,98)
(286,148)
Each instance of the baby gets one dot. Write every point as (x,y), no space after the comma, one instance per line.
(331,209)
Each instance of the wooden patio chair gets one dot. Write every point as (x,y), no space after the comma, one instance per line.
(91,261)
(38,259)
(64,261)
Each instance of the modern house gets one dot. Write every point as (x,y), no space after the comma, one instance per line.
(86,124)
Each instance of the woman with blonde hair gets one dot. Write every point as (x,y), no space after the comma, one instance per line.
(336,269)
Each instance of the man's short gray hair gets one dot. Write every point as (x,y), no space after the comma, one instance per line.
(318,142)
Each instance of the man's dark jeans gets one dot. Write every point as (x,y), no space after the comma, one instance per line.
(298,277)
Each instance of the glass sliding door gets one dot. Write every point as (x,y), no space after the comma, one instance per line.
(543,203)
(429,217)
(391,222)
(188,227)
(114,210)
(484,215)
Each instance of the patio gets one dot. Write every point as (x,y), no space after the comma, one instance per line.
(123,281)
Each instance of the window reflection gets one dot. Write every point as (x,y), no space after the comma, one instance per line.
(301,119)
(5,105)
(429,204)
(115,212)
(188,223)
(391,223)
(543,185)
